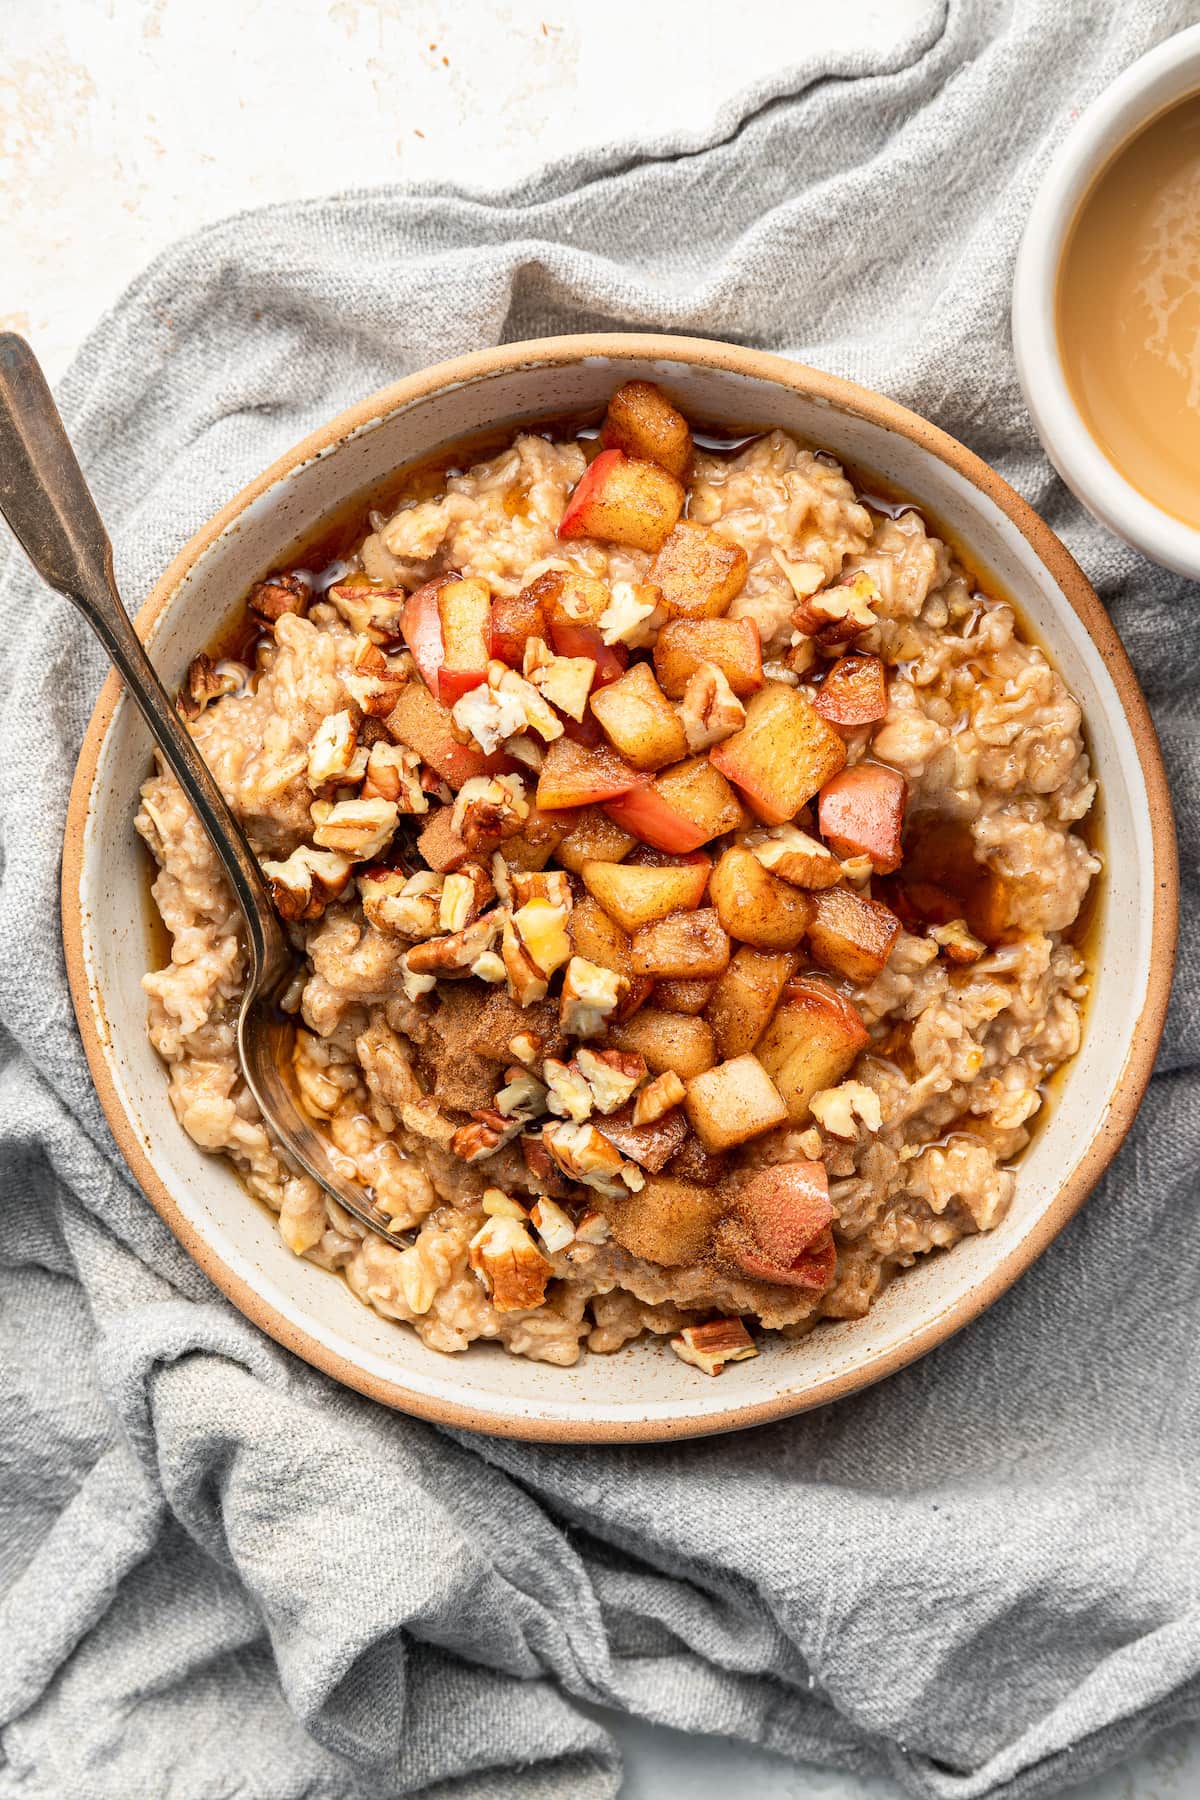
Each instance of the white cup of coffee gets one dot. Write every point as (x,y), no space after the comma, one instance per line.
(1106,306)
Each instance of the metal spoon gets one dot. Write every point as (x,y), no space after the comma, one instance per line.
(46,501)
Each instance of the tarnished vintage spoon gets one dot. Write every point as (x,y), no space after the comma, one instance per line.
(46,501)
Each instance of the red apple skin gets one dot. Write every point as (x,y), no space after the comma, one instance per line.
(568,638)
(585,731)
(786,1207)
(589,488)
(812,1269)
(421,629)
(452,684)
(645,813)
(861,813)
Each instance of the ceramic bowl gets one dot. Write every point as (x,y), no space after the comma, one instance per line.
(644,1392)
(1153,83)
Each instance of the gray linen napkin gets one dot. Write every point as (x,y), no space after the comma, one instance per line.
(225,1575)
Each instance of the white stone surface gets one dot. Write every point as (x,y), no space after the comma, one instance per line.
(126,123)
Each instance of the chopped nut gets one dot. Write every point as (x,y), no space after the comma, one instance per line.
(489,717)
(554,1226)
(710,711)
(331,752)
(958,943)
(569,1094)
(795,857)
(584,1154)
(373,682)
(369,607)
(455,954)
(835,1109)
(415,985)
(499,1205)
(541,928)
(277,595)
(206,681)
(565,681)
(522,1097)
(361,828)
(489,967)
(593,1228)
(800,655)
(541,884)
(804,578)
(810,1145)
(510,1265)
(400,905)
(526,750)
(464,896)
(486,1133)
(659,1098)
(303,886)
(526,1047)
(710,1347)
(489,806)
(589,995)
(393,772)
(840,613)
(612,1075)
(634,614)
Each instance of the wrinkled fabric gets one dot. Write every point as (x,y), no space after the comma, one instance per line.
(223,1574)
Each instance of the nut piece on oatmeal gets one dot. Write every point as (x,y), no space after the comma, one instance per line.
(489,806)
(590,994)
(710,711)
(793,856)
(205,681)
(279,594)
(508,1262)
(303,885)
(393,772)
(331,751)
(612,1076)
(565,681)
(568,1093)
(839,614)
(554,1226)
(957,942)
(369,607)
(657,1099)
(837,1109)
(400,905)
(360,828)
(374,684)
(710,1347)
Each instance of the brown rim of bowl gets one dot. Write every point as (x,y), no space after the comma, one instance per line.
(1128,1090)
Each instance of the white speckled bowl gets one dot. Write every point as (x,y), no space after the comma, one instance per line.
(644,1392)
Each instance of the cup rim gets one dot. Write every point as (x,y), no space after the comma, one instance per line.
(1128,1088)
(1165,75)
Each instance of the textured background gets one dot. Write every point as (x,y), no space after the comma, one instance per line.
(124,123)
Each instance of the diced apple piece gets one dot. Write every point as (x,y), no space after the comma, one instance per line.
(811,1042)
(756,908)
(597,937)
(854,692)
(850,935)
(465,614)
(651,818)
(668,1221)
(572,775)
(569,639)
(642,422)
(783,755)
(421,629)
(745,998)
(594,838)
(666,1041)
(699,795)
(698,572)
(732,645)
(538,839)
(622,500)
(861,813)
(732,1103)
(685,994)
(651,1145)
(786,1207)
(735,1245)
(637,896)
(442,847)
(423,723)
(574,597)
(517,618)
(639,721)
(685,944)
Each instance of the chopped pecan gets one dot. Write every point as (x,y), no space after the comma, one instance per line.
(540,884)
(659,1098)
(510,1265)
(499,1205)
(303,885)
(593,1228)
(568,1093)
(489,806)
(454,954)
(710,711)
(465,893)
(393,772)
(555,1227)
(590,996)
(207,681)
(278,595)
(369,607)
(373,682)
(486,1133)
(583,1154)
(710,1347)
(526,1046)
(400,905)
(331,751)
(957,942)
(836,615)
(565,681)
(360,828)
(612,1075)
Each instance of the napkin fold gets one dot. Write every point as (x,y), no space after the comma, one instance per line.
(220,1573)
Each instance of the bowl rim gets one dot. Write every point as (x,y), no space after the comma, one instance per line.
(1160,79)
(1127,1091)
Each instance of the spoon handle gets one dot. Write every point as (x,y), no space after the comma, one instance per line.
(46,501)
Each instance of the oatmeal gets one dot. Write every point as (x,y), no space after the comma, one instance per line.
(684,855)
